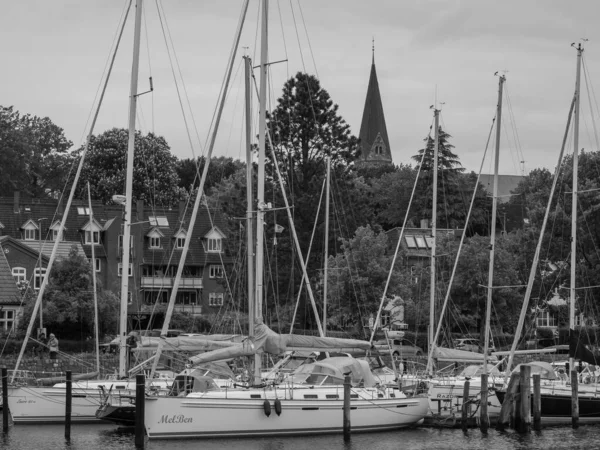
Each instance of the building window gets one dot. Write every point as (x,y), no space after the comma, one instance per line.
(55,235)
(20,274)
(545,319)
(120,269)
(38,277)
(216,271)
(97,264)
(186,298)
(215,299)
(180,242)
(151,297)
(158,221)
(29,234)
(410,241)
(154,242)
(214,245)
(83,210)
(7,319)
(92,237)
(129,298)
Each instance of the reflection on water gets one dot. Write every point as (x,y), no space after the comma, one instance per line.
(107,437)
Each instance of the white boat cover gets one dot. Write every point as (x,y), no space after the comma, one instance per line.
(266,340)
(337,366)
(460,356)
(196,343)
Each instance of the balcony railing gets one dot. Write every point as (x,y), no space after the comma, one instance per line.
(167,282)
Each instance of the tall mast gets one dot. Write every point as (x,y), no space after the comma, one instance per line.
(262,123)
(325,263)
(574,201)
(436,115)
(488,305)
(129,191)
(96,324)
(249,197)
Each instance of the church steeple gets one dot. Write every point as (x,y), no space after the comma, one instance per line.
(375,145)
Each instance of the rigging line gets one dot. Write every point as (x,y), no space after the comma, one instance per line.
(53,255)
(312,236)
(145,24)
(116,38)
(509,144)
(514,127)
(165,32)
(588,89)
(308,39)
(297,36)
(393,263)
(462,238)
(285,51)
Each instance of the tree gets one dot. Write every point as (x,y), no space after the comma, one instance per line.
(155,178)
(358,275)
(33,154)
(221,168)
(68,302)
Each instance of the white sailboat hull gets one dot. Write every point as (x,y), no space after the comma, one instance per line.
(446,396)
(39,405)
(236,413)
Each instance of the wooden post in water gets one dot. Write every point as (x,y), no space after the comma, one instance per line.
(140,398)
(69,399)
(5,399)
(465,406)
(506,411)
(347,427)
(484,418)
(537,402)
(574,398)
(524,424)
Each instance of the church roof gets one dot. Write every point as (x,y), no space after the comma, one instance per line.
(375,144)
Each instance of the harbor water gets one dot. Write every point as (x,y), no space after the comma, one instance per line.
(108,437)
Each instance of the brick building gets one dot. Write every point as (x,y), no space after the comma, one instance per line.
(29,228)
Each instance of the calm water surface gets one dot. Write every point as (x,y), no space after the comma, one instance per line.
(107,437)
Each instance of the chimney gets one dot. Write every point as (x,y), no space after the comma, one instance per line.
(424,224)
(16,201)
(140,210)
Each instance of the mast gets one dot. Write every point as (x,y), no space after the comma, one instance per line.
(325,263)
(262,124)
(436,115)
(574,202)
(96,326)
(488,305)
(249,197)
(129,192)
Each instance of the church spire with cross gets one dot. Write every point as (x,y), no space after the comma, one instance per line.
(374,142)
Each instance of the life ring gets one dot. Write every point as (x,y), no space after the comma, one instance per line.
(278,406)
(267,408)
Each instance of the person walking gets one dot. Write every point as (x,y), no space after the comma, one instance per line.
(53,346)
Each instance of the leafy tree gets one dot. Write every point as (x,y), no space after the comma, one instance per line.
(155,178)
(33,154)
(221,168)
(68,303)
(358,275)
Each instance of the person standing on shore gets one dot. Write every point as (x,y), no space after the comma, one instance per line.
(53,346)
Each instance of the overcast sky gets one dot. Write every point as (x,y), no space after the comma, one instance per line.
(54,53)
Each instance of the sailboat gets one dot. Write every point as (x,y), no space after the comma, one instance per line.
(557,397)
(308,402)
(37,404)
(446,394)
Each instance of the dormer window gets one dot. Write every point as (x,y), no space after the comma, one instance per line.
(180,239)
(214,245)
(214,241)
(154,236)
(92,237)
(91,232)
(29,230)
(54,228)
